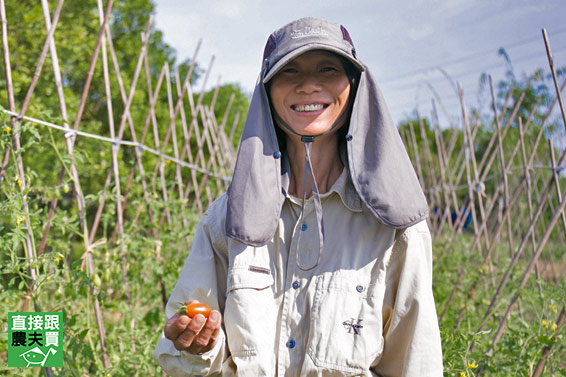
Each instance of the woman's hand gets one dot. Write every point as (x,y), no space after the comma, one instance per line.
(194,335)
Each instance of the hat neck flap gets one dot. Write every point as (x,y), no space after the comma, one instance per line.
(380,167)
(255,195)
(378,163)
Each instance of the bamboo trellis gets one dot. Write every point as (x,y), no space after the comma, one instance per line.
(498,212)
(200,173)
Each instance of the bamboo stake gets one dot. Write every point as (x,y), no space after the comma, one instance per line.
(476,181)
(460,164)
(412,141)
(174,136)
(502,163)
(90,72)
(554,78)
(115,150)
(526,172)
(233,129)
(215,94)
(556,180)
(443,165)
(427,159)
(9,85)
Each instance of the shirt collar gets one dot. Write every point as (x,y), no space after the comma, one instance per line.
(345,190)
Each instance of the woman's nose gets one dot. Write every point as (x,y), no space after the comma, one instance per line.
(308,84)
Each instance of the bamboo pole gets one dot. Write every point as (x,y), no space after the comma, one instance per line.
(443,163)
(233,129)
(476,182)
(501,162)
(427,160)
(526,172)
(174,136)
(115,151)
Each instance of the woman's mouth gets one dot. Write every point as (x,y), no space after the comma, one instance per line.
(309,107)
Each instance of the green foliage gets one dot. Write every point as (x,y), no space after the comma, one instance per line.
(530,328)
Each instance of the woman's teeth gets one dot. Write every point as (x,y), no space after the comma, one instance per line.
(313,107)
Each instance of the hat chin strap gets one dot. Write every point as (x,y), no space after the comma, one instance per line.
(308,172)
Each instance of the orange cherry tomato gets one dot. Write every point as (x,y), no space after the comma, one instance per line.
(198,308)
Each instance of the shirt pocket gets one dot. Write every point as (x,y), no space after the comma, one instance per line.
(346,323)
(248,289)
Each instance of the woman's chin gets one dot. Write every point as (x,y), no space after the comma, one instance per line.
(313,130)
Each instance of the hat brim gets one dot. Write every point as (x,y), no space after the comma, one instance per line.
(309,47)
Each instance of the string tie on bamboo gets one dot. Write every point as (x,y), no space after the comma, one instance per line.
(480,188)
(90,249)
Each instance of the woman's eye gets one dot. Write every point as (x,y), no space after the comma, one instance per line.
(289,70)
(328,69)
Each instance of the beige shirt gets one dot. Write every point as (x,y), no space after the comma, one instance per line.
(367,309)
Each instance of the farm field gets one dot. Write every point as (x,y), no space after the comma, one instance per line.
(111,154)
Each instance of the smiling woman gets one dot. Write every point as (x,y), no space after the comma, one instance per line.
(318,259)
(310,94)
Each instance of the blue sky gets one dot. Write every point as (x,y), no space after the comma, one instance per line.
(413,48)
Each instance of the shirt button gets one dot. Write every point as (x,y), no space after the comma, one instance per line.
(360,288)
(276,154)
(290,344)
(296,284)
(304,226)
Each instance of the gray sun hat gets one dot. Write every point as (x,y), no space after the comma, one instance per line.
(304,35)
(377,161)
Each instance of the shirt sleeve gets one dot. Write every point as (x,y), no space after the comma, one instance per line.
(203,278)
(411,335)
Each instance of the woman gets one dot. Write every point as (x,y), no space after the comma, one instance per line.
(318,259)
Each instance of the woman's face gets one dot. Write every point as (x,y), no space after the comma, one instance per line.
(310,92)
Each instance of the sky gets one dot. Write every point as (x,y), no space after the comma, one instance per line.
(416,49)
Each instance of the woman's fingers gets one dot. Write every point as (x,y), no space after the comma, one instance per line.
(175,326)
(196,335)
(205,339)
(214,335)
(207,333)
(185,340)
